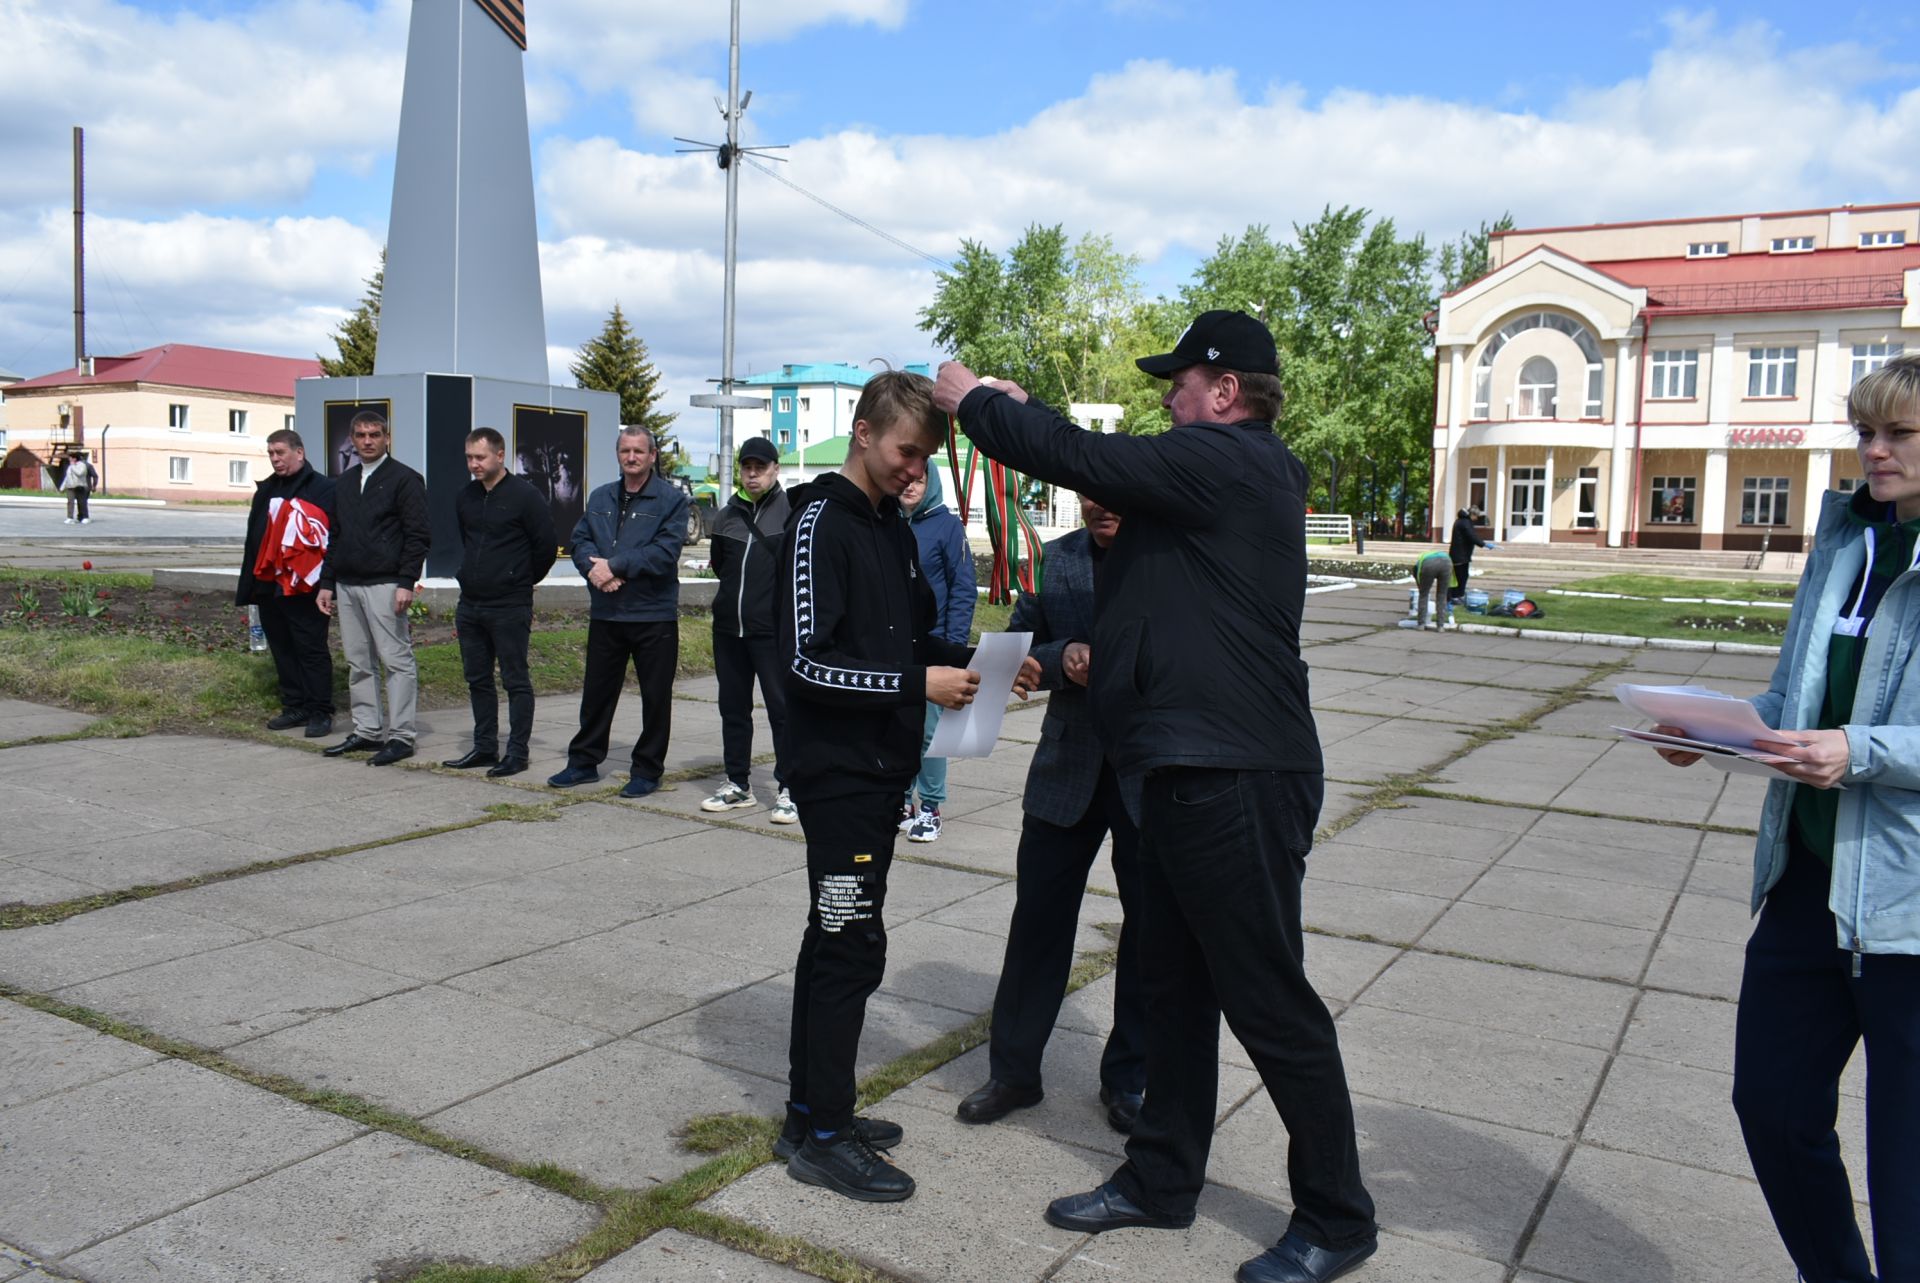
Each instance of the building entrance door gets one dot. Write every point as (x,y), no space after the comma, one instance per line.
(1527,505)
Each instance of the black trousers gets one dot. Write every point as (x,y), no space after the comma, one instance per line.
(297,639)
(1459,589)
(489,634)
(1052,867)
(1222,855)
(737,662)
(1802,1012)
(654,650)
(843,951)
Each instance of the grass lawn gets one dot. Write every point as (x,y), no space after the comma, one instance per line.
(1662,586)
(41,580)
(1648,619)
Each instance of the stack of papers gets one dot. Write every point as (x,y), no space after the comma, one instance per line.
(1721,728)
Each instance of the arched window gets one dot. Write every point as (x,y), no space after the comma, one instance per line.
(1582,337)
(1536,391)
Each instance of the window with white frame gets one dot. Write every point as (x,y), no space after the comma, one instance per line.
(237,422)
(1868,357)
(1536,391)
(1676,374)
(177,418)
(1847,485)
(179,467)
(1763,501)
(1882,240)
(786,405)
(1707,249)
(1772,371)
(806,403)
(237,472)
(287,422)
(1477,489)
(1528,494)
(1586,500)
(1792,244)
(1673,500)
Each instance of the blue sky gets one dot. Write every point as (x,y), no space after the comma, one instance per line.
(244,209)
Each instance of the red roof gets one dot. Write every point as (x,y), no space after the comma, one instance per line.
(1820,279)
(182,365)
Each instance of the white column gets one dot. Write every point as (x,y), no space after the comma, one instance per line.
(1713,498)
(1819,473)
(1626,380)
(1831,368)
(1446,499)
(1720,380)
(1498,517)
(1548,515)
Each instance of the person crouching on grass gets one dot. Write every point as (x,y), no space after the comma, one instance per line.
(857,631)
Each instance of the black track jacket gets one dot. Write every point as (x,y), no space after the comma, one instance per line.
(1196,644)
(507,541)
(856,624)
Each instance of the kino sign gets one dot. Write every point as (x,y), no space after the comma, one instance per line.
(1767,436)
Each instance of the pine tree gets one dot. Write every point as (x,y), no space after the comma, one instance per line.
(615,360)
(359,335)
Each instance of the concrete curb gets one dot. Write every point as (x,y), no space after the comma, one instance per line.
(61,499)
(554,592)
(1629,643)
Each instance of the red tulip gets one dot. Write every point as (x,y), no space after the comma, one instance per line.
(86,565)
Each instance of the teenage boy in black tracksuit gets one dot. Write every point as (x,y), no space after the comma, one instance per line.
(856,628)
(508,544)
(746,556)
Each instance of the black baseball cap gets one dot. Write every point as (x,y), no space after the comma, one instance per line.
(1230,340)
(758,448)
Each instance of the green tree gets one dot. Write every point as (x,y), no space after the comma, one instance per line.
(615,360)
(357,337)
(1466,260)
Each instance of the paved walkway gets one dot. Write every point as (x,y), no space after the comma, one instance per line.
(1531,938)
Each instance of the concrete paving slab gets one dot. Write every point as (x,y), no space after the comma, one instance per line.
(42,1054)
(1560,895)
(1535,1003)
(379,1207)
(1576,855)
(1393,748)
(1457,1183)
(1341,860)
(1721,879)
(1594,717)
(491,852)
(616,981)
(1705,968)
(1623,1216)
(442,936)
(1682,1030)
(1711,917)
(1416,831)
(1560,944)
(1730,848)
(303,895)
(20,720)
(1532,770)
(1630,779)
(943,965)
(1740,803)
(673,1257)
(107,941)
(1396,917)
(89,1163)
(417,1051)
(150,858)
(22,885)
(1339,969)
(614,1114)
(976,1214)
(732,855)
(1535,1084)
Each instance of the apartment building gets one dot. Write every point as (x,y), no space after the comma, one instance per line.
(1679,383)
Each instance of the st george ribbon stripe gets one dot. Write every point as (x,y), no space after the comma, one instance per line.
(511,15)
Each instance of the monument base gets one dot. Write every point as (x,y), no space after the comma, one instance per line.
(550,434)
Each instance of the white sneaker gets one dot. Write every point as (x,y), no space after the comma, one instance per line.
(67,522)
(926,825)
(86,521)
(731,797)
(784,811)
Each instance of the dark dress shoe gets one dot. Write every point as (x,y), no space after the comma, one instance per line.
(510,766)
(285,720)
(478,757)
(354,744)
(877,1132)
(848,1165)
(1106,1208)
(319,726)
(395,751)
(1294,1260)
(1123,1108)
(996,1100)
(571,776)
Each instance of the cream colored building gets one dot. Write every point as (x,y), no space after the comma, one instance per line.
(171,422)
(1673,384)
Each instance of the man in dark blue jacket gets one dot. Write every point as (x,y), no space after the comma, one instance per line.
(627,544)
(946,563)
(1197,686)
(296,630)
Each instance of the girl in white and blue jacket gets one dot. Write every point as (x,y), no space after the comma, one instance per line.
(1835,958)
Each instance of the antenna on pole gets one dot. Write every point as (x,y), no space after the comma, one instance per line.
(728,153)
(79,250)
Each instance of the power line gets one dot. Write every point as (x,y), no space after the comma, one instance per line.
(857,221)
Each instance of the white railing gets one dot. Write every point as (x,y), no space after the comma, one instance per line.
(1337,527)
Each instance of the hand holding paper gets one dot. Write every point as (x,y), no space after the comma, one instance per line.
(1694,722)
(972,730)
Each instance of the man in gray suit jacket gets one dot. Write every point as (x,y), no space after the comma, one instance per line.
(1073,800)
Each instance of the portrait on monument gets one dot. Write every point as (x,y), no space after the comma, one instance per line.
(339,455)
(550,451)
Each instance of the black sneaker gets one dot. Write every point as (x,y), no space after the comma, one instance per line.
(285,720)
(848,1165)
(877,1132)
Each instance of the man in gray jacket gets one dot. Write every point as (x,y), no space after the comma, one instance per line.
(627,544)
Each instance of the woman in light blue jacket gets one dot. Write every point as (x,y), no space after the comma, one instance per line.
(1835,957)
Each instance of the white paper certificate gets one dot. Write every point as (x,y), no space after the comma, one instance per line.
(973,730)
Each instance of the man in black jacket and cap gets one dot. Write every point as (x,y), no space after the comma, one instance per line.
(1466,537)
(508,545)
(1198,687)
(296,630)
